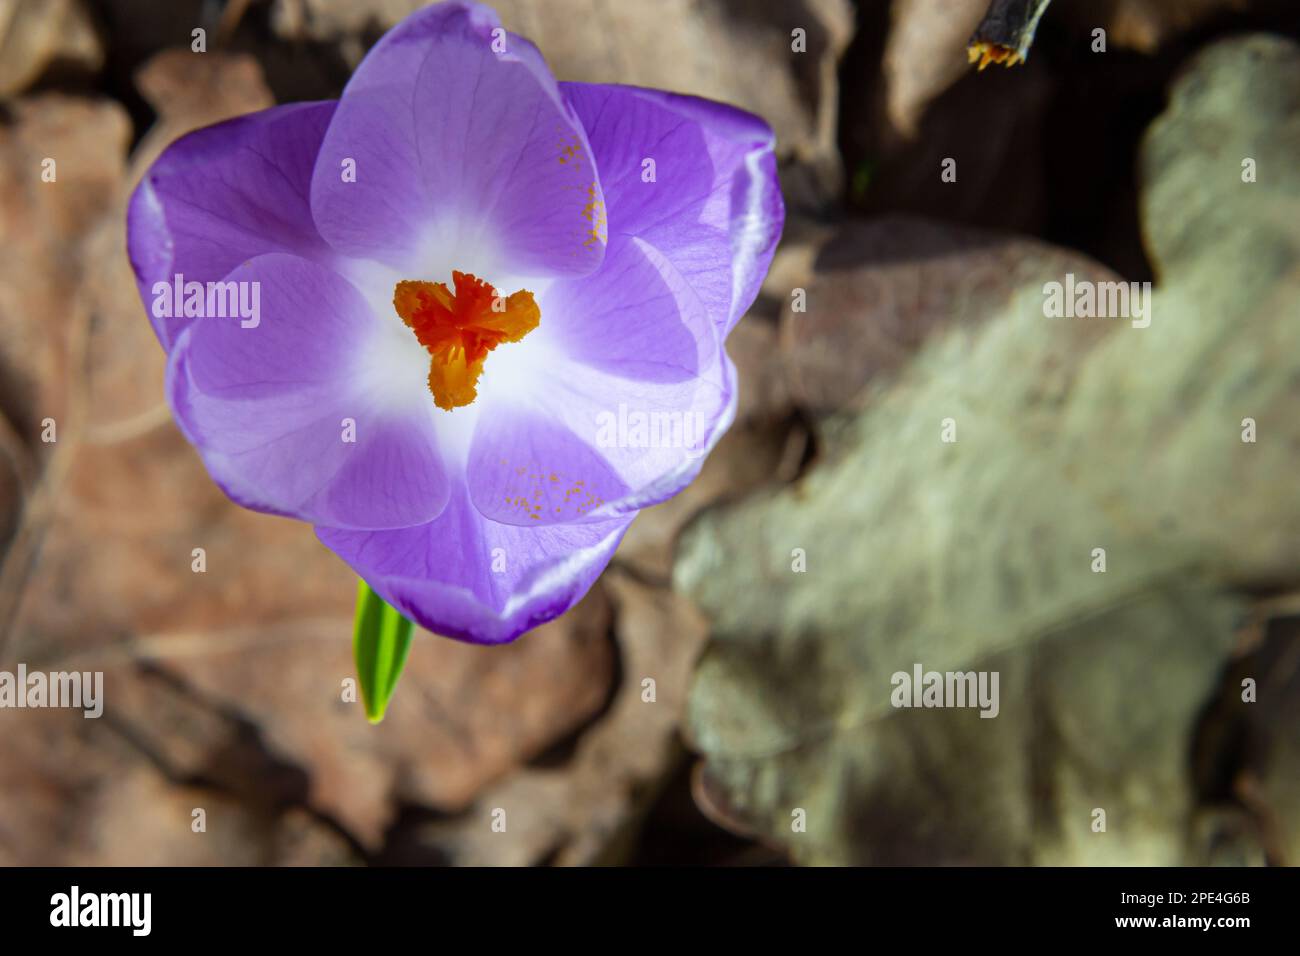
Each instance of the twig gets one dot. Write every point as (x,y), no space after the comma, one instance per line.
(1007,32)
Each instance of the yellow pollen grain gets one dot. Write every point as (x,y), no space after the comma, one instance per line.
(594,213)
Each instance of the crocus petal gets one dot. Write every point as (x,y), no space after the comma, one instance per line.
(473,579)
(224,194)
(466,156)
(637,391)
(271,408)
(714,206)
(526,467)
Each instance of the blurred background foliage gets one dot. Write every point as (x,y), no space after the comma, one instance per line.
(1119,691)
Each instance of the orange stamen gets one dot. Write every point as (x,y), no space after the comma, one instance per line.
(459,329)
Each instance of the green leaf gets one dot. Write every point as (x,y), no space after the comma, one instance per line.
(381,639)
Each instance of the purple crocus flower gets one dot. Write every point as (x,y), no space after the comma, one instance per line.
(473,318)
